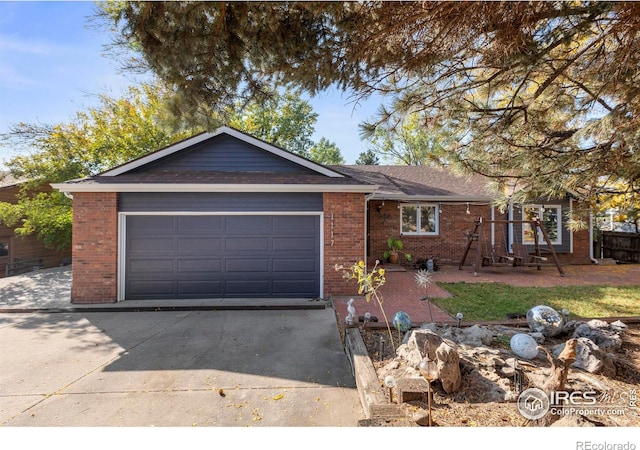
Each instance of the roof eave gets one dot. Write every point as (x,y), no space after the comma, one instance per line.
(432,198)
(200,187)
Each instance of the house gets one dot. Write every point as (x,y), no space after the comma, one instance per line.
(23,253)
(433,210)
(223,214)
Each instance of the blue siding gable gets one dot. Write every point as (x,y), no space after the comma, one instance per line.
(223,153)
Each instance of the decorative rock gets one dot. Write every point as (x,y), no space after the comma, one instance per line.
(478,335)
(590,357)
(545,320)
(600,333)
(473,336)
(414,349)
(538,337)
(429,326)
(618,325)
(524,346)
(449,368)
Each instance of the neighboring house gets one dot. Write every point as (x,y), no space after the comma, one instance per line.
(224,214)
(23,253)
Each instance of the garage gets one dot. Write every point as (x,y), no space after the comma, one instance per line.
(187,256)
(218,215)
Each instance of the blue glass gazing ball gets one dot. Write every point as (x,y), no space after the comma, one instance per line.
(401,321)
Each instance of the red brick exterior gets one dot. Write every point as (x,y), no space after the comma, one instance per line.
(580,253)
(449,245)
(344,239)
(95,240)
(95,247)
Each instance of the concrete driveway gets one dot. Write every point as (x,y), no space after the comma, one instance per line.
(263,368)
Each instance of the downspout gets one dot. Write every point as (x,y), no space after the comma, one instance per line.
(593,260)
(366,227)
(493,227)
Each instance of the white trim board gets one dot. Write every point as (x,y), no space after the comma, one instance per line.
(178,187)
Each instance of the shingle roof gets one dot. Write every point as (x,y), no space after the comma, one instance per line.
(418,181)
(6,180)
(212,177)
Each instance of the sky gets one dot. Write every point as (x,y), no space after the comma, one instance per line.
(53,64)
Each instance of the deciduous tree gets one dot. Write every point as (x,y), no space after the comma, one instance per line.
(115,131)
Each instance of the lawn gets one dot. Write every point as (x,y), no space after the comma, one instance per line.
(493,301)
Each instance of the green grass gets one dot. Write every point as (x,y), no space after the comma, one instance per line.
(493,301)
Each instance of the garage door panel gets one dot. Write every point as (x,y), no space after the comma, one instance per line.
(146,245)
(198,266)
(246,244)
(222,256)
(294,266)
(196,289)
(294,225)
(247,225)
(194,246)
(200,225)
(297,244)
(248,288)
(251,265)
(151,225)
(146,266)
(152,289)
(287,288)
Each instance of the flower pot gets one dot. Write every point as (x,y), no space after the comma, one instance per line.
(393,258)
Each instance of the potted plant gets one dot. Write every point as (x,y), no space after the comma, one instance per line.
(395,248)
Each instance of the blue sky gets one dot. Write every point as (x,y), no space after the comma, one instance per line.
(53,64)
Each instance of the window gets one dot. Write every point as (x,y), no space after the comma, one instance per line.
(419,219)
(549,216)
(4,248)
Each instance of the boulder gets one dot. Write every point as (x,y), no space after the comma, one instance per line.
(448,368)
(590,357)
(600,333)
(473,336)
(413,350)
(618,325)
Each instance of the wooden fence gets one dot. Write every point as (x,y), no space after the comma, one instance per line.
(623,247)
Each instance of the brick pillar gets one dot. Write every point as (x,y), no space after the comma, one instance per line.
(95,247)
(344,239)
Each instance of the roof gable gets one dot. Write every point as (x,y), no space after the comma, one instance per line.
(225,150)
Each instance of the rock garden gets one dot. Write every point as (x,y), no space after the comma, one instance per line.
(588,369)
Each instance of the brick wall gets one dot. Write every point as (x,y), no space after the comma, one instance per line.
(580,253)
(343,239)
(448,246)
(95,247)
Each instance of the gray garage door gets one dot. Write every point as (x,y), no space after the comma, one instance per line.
(222,256)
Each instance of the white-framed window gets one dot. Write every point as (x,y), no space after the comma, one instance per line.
(550,217)
(419,219)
